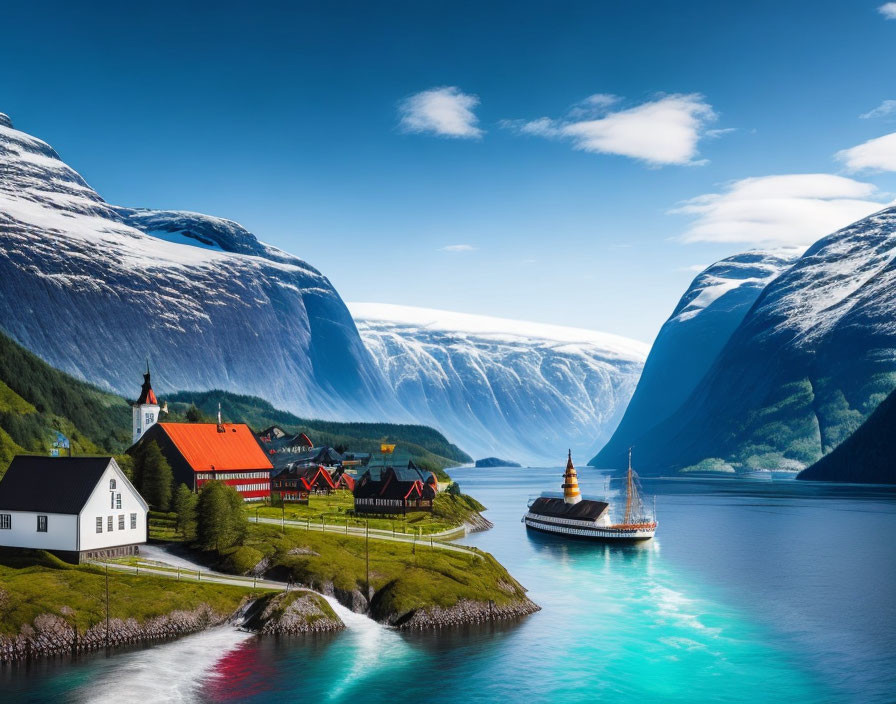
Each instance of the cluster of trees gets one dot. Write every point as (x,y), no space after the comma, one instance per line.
(214,519)
(152,475)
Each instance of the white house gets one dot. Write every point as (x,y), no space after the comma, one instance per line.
(77,508)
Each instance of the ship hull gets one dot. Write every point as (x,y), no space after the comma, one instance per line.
(595,533)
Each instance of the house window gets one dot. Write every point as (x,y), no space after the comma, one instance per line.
(109,524)
(99,524)
(133,521)
(150,418)
(112,485)
(118,501)
(111,500)
(121,521)
(5,521)
(41,524)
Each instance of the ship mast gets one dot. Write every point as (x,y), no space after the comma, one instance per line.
(628,490)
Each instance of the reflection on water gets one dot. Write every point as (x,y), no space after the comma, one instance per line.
(772,591)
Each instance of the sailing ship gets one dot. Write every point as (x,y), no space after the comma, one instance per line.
(577,517)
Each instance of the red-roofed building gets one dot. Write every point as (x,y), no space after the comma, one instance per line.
(201,452)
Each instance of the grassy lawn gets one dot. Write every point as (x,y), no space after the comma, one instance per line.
(41,584)
(337,508)
(403,577)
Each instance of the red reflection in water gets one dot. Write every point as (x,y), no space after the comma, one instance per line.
(239,674)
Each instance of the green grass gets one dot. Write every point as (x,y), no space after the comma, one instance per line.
(404,577)
(337,508)
(38,583)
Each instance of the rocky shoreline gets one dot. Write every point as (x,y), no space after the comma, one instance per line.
(292,614)
(463,613)
(50,635)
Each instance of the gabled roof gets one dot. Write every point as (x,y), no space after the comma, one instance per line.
(50,484)
(205,448)
(584,510)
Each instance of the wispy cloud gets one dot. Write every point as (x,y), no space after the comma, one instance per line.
(662,131)
(888,10)
(444,111)
(888,107)
(788,209)
(458,248)
(695,268)
(877,154)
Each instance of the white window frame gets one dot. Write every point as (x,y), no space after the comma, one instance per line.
(133,521)
(109,524)
(45,523)
(118,501)
(5,521)
(99,524)
(120,521)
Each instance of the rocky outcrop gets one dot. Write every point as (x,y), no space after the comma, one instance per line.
(464,612)
(50,634)
(477,522)
(293,613)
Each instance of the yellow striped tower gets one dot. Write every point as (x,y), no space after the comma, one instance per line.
(571,494)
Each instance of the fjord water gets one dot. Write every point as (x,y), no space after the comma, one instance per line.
(752,591)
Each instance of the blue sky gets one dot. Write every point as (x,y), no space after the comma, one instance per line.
(448,155)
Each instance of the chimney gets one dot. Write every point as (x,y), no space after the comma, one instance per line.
(220,422)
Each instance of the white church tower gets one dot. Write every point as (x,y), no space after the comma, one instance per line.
(146,410)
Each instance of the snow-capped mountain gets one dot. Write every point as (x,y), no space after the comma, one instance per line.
(708,313)
(95,289)
(520,390)
(813,357)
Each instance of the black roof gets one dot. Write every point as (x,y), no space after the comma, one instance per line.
(50,484)
(585,510)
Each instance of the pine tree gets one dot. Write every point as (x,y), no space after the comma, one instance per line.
(185,503)
(222,523)
(155,476)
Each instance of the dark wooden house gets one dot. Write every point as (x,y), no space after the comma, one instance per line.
(395,490)
(296,484)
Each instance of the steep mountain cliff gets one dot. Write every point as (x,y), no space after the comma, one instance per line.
(94,289)
(503,387)
(813,357)
(689,341)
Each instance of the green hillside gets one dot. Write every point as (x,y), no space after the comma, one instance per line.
(37,400)
(426,445)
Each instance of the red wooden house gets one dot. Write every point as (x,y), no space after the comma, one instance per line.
(201,452)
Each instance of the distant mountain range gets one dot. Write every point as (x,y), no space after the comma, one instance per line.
(94,289)
(503,387)
(790,374)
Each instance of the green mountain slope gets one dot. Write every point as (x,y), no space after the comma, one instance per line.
(866,456)
(37,400)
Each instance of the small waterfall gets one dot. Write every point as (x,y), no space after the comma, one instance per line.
(170,672)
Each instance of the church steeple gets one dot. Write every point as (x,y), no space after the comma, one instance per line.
(571,494)
(145,413)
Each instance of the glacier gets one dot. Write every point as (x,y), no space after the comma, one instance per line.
(95,289)
(812,358)
(521,390)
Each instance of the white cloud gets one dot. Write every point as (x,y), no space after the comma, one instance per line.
(458,248)
(696,268)
(877,154)
(888,10)
(444,111)
(788,209)
(888,107)
(662,131)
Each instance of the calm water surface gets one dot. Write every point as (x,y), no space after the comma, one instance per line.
(752,591)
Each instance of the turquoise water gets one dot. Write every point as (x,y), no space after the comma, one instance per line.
(752,591)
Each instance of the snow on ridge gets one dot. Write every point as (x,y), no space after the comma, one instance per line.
(495,328)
